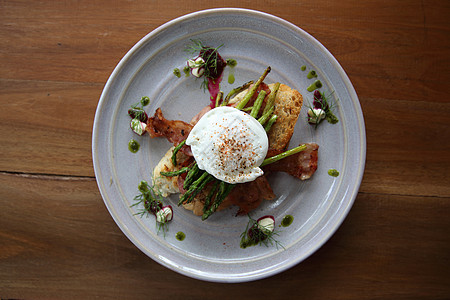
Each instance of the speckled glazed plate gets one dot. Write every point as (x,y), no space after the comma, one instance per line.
(211,249)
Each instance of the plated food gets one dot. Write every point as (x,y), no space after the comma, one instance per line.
(223,155)
(210,249)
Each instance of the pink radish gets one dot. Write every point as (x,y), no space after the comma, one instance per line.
(138,127)
(165,214)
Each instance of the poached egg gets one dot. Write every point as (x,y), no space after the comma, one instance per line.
(229,144)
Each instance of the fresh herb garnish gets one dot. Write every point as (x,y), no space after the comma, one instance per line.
(333,172)
(151,200)
(212,63)
(254,235)
(322,108)
(137,109)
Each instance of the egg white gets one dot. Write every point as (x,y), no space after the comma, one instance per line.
(229,144)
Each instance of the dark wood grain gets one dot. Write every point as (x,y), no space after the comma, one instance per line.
(62,241)
(58,239)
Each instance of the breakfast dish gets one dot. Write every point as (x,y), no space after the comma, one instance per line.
(231,145)
(305,212)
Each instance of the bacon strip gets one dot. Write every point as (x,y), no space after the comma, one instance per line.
(249,195)
(175,131)
(301,165)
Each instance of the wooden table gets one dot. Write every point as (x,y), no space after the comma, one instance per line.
(57,238)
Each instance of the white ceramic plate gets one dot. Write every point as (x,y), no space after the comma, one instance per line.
(211,249)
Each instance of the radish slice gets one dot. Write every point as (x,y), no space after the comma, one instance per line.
(137,113)
(138,127)
(165,214)
(266,224)
(196,63)
(197,66)
(198,72)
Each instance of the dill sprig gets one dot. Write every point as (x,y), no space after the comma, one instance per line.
(325,104)
(137,109)
(211,57)
(258,236)
(151,200)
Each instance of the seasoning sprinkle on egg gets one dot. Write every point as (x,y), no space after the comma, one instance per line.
(229,144)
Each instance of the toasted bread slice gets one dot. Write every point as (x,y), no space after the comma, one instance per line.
(167,185)
(288,104)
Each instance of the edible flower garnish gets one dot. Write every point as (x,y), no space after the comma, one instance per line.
(208,61)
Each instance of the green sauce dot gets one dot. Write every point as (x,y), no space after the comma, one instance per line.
(316,85)
(333,172)
(303,68)
(133,146)
(177,72)
(186,71)
(231,62)
(145,100)
(231,78)
(287,220)
(180,236)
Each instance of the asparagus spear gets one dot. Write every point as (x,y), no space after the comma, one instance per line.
(236,91)
(191,176)
(271,121)
(195,188)
(211,195)
(222,193)
(270,106)
(258,104)
(175,173)
(219,98)
(271,100)
(283,155)
(253,89)
(175,151)
(266,116)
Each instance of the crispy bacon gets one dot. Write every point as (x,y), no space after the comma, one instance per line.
(249,195)
(301,165)
(175,131)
